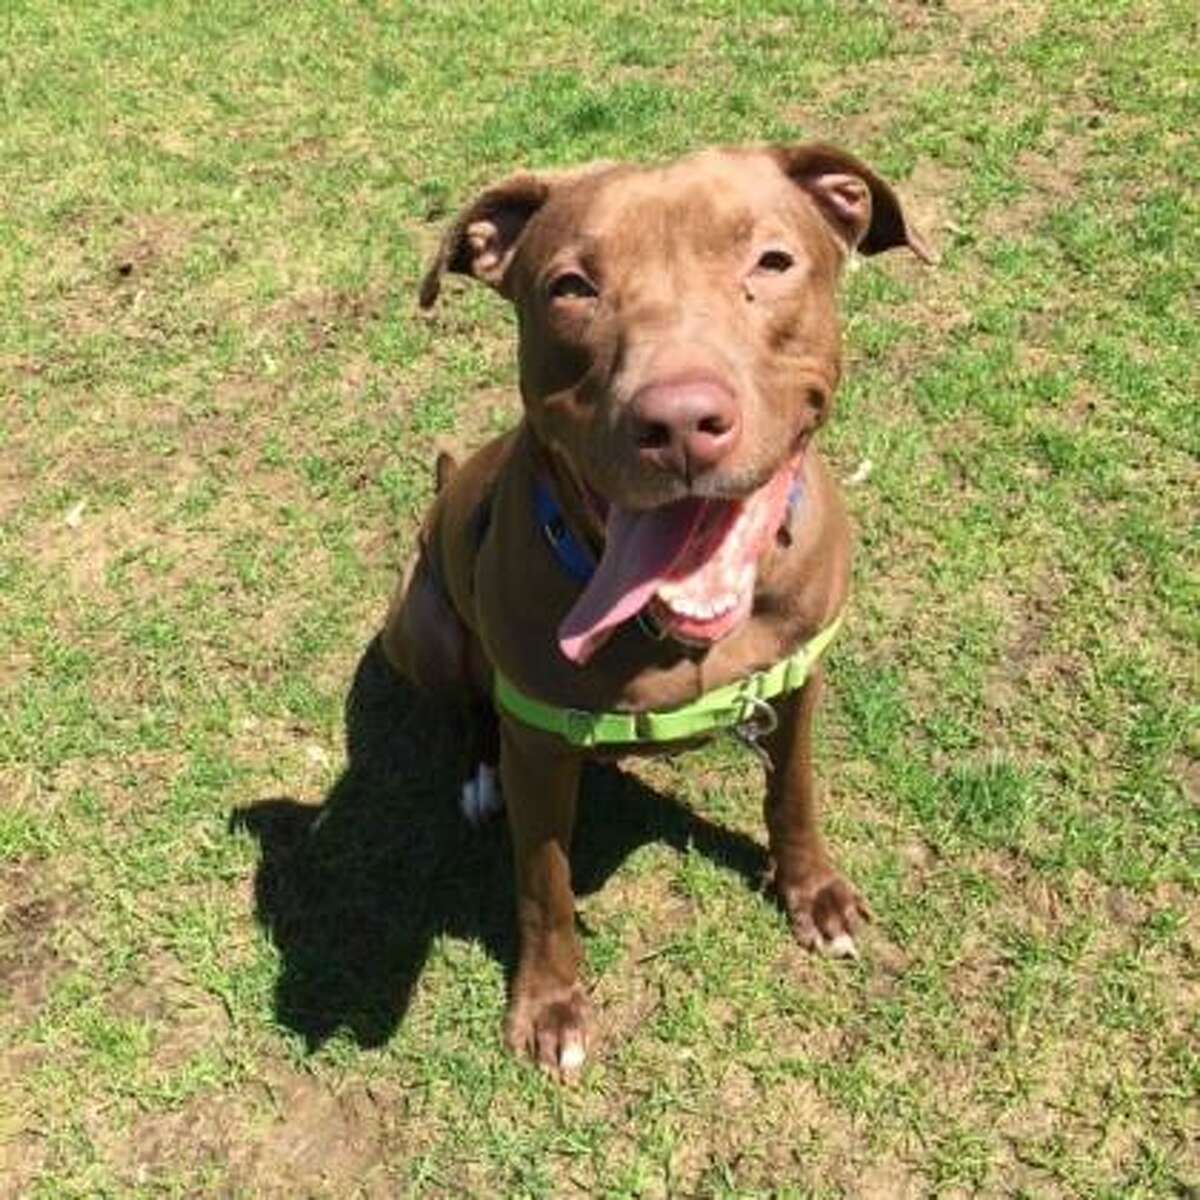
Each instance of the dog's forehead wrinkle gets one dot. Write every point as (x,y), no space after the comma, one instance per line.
(684,208)
(690,219)
(706,205)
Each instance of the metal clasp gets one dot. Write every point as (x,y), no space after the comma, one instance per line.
(555,530)
(759,721)
(580,726)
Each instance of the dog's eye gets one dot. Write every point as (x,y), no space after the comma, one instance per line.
(571,285)
(775,262)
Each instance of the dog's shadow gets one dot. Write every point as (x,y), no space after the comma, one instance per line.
(353,892)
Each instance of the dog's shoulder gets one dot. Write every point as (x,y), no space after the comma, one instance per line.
(461,515)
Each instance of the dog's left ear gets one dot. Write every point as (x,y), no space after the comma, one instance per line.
(860,206)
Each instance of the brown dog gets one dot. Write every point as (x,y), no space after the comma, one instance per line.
(658,529)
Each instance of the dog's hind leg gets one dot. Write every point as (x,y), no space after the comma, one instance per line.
(480,799)
(426,642)
(423,638)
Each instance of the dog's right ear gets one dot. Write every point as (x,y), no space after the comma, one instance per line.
(484,236)
(483,239)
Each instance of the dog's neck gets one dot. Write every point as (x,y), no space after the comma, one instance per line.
(584,512)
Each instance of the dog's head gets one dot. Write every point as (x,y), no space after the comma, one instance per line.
(679,345)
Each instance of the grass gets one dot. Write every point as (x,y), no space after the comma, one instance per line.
(246,947)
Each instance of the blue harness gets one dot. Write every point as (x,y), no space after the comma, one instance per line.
(572,557)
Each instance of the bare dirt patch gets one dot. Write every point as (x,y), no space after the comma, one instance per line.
(13,493)
(110,296)
(78,546)
(1052,180)
(1005,23)
(22,1152)
(33,909)
(928,195)
(185,1019)
(324,314)
(149,239)
(126,785)
(1034,621)
(488,413)
(308,148)
(284,1134)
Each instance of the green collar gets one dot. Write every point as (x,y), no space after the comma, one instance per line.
(734,706)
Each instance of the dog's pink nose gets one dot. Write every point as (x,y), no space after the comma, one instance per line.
(685,427)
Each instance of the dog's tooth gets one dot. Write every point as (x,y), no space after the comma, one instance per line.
(683,605)
(700,610)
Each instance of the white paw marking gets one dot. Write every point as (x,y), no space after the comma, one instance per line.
(480,798)
(466,800)
(571,1056)
(860,474)
(841,946)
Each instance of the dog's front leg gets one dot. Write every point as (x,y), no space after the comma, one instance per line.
(547,1012)
(824,909)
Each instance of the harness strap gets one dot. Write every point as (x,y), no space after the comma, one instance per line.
(730,707)
(572,557)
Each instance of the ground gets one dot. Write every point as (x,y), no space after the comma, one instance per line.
(246,946)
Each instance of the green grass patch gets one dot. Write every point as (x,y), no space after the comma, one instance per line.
(245,945)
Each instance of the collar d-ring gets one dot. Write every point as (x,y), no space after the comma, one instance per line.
(760,718)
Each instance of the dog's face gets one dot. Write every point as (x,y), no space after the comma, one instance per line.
(678,323)
(678,334)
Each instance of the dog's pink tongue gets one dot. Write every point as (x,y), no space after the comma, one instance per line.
(639,550)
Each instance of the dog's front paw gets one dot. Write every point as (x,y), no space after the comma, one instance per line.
(825,911)
(549,1023)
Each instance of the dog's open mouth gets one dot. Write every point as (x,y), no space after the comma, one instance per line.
(692,563)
